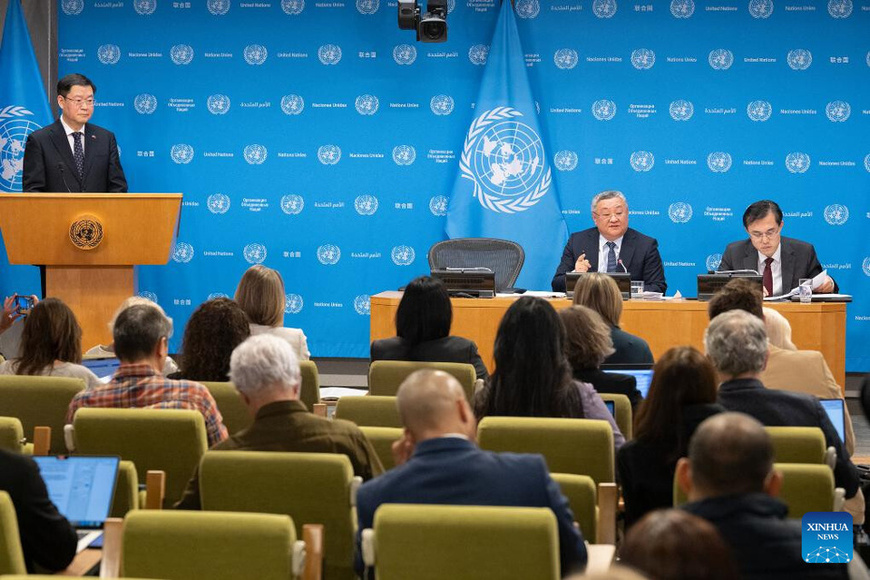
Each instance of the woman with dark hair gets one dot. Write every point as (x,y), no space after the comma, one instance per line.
(532,377)
(682,394)
(213,331)
(51,345)
(423,322)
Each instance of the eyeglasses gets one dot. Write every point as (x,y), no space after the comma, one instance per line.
(769,234)
(78,102)
(606,216)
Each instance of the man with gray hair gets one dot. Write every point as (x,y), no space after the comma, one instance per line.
(265,370)
(611,246)
(438,462)
(736,343)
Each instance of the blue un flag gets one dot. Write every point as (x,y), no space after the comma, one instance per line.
(505,187)
(23,109)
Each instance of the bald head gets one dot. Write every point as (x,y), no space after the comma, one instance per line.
(432,404)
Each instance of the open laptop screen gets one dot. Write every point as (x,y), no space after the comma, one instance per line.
(102,367)
(836,413)
(80,487)
(643,377)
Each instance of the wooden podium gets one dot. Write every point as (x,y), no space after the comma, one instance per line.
(89,243)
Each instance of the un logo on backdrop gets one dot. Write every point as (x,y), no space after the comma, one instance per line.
(366,104)
(329,54)
(404,155)
(527,8)
(109,54)
(293,304)
(148,295)
(145,103)
(182,252)
(367,6)
(145,7)
(438,205)
(362,304)
(365,204)
(720,59)
(255,54)
(441,105)
(681,110)
(292,204)
(329,154)
(643,59)
(216,295)
(719,161)
(566,58)
(680,212)
(255,253)
(404,54)
(799,59)
(797,162)
(181,54)
(293,7)
(181,153)
(478,54)
(840,8)
(838,111)
(759,110)
(682,8)
(604,8)
(218,7)
(642,161)
(218,104)
(865,266)
(292,104)
(403,255)
(760,8)
(867,162)
(218,203)
(713,261)
(604,109)
(255,154)
(328,254)
(565,160)
(72,7)
(836,214)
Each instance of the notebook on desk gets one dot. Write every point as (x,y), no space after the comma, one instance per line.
(82,489)
(835,408)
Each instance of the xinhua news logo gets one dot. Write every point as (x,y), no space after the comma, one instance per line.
(827,537)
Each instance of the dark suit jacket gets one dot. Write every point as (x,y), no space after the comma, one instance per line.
(630,349)
(799,260)
(613,383)
(447,349)
(454,471)
(786,409)
(639,254)
(47,538)
(49,164)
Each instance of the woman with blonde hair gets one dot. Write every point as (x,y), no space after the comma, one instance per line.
(778,329)
(261,295)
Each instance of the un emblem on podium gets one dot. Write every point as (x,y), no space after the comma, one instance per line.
(86,232)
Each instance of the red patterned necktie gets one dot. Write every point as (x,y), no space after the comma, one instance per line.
(767,276)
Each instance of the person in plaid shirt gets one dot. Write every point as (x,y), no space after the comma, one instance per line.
(141,336)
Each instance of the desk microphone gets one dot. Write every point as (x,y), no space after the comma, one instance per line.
(623,266)
(63,177)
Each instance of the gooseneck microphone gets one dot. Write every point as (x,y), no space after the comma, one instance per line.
(623,266)
(63,177)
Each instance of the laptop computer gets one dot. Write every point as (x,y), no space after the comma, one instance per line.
(82,489)
(611,406)
(642,375)
(835,408)
(102,367)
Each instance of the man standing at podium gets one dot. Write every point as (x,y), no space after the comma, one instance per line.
(72,155)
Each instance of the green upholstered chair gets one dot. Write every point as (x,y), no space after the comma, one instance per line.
(623,416)
(385,376)
(11,555)
(312,488)
(126,496)
(382,439)
(809,488)
(800,445)
(231,405)
(11,435)
(429,542)
(371,411)
(581,494)
(169,440)
(39,401)
(309,392)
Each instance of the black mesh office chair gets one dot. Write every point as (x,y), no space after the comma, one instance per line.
(504,257)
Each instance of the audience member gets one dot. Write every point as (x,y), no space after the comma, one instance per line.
(141,335)
(51,345)
(261,296)
(11,313)
(736,342)
(47,538)
(108,350)
(669,544)
(587,344)
(265,370)
(778,329)
(423,322)
(532,377)
(600,293)
(682,394)
(439,463)
(213,330)
(731,482)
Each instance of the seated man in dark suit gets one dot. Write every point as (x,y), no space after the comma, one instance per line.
(611,246)
(439,463)
(782,262)
(730,481)
(736,343)
(47,538)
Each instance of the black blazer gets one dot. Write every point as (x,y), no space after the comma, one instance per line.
(49,164)
(47,538)
(630,349)
(613,383)
(447,349)
(799,260)
(639,254)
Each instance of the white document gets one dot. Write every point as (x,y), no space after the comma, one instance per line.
(817,281)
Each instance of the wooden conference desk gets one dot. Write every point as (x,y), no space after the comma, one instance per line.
(817,326)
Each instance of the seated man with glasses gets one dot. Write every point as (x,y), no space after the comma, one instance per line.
(72,155)
(781,261)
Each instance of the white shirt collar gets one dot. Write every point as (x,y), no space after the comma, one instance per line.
(69,130)
(602,243)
